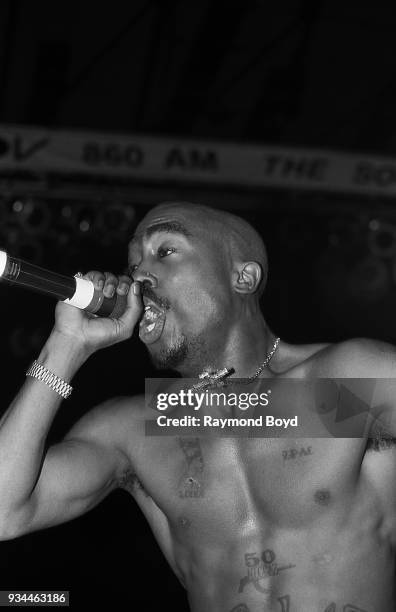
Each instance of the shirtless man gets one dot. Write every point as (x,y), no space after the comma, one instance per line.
(280,524)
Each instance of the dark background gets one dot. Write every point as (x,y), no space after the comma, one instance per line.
(310,73)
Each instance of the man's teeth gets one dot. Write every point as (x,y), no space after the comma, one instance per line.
(150,315)
(150,318)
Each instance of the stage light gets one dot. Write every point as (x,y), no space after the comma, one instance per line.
(17,206)
(382,239)
(374,225)
(116,219)
(32,214)
(84,226)
(85,218)
(67,212)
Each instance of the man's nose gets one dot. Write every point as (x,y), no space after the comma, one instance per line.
(144,276)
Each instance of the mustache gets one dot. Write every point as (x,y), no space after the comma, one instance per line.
(162,302)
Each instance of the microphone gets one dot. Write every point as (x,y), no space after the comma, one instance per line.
(72,290)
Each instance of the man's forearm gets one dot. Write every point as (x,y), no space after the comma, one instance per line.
(24,426)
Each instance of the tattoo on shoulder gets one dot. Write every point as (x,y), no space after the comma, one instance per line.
(191,481)
(130,482)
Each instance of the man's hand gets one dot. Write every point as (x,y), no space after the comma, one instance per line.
(93,333)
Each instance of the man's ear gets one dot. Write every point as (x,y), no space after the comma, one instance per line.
(247,277)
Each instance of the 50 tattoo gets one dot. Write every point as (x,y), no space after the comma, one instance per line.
(261,568)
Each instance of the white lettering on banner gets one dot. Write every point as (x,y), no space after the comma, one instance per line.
(165,159)
(191,159)
(22,149)
(381,175)
(96,154)
(296,168)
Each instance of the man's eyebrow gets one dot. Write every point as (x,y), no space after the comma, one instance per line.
(174,227)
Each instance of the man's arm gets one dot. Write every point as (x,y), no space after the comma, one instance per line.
(78,472)
(28,480)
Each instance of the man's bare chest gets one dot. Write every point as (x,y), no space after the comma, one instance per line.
(235,482)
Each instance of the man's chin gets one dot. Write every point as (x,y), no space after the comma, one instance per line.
(171,357)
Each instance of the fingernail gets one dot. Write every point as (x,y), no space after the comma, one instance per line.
(109,291)
(100,285)
(136,288)
(122,289)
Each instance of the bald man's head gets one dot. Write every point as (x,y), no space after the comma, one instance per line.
(231,235)
(202,271)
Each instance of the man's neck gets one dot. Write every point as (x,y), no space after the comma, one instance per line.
(244,351)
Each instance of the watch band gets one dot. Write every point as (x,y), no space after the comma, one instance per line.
(58,385)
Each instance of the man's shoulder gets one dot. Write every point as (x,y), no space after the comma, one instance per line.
(355,358)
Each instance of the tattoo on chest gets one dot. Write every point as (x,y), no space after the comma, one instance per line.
(261,568)
(240,608)
(295,453)
(184,522)
(191,482)
(284,603)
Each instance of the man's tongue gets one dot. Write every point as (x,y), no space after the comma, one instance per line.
(151,325)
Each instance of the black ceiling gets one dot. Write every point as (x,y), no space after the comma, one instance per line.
(316,73)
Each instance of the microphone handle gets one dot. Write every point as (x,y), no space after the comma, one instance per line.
(103,306)
(75,291)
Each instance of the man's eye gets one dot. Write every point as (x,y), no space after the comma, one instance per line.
(164,251)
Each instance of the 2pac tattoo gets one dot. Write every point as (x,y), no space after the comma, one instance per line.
(294,453)
(191,484)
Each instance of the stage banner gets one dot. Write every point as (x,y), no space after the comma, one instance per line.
(157,159)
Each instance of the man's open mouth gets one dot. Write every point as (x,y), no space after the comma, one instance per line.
(152,323)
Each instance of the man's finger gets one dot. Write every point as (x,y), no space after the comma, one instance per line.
(134,307)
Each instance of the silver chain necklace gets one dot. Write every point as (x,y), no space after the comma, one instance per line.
(218,377)
(263,365)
